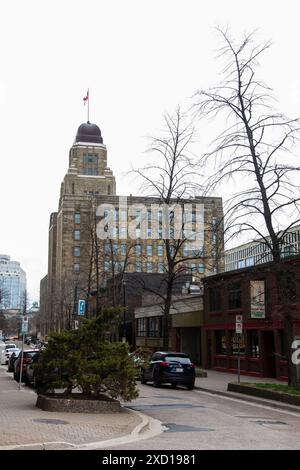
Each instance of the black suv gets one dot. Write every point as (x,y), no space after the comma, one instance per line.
(169,367)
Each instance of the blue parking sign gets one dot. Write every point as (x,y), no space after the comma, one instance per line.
(81,307)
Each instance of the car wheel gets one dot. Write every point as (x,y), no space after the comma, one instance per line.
(156,381)
(190,386)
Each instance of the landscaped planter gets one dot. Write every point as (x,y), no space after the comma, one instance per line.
(77,404)
(201,373)
(264,393)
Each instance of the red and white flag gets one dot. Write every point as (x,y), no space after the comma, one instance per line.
(86,98)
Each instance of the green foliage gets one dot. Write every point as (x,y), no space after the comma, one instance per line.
(85,359)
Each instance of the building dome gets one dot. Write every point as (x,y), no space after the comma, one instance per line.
(89,132)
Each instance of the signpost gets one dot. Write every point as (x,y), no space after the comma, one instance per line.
(239,331)
(24,331)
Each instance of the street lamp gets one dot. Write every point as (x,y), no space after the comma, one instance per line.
(124,309)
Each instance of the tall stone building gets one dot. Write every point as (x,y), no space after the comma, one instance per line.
(91,238)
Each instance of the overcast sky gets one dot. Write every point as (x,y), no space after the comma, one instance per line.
(139,59)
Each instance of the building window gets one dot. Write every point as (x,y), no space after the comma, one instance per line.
(138,267)
(201,268)
(76,267)
(108,189)
(214,299)
(149,267)
(193,267)
(253,343)
(123,249)
(76,234)
(160,268)
(149,250)
(234,343)
(90,164)
(77,218)
(160,250)
(116,247)
(220,338)
(138,250)
(141,327)
(235,296)
(153,327)
(76,250)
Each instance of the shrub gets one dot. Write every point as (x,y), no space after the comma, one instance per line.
(84,359)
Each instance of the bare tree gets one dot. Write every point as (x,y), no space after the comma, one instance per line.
(173,177)
(253,151)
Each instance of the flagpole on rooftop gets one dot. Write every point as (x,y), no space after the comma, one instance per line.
(88,105)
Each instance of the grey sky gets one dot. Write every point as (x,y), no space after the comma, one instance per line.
(139,58)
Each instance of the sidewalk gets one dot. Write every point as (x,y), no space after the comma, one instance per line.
(216,383)
(23,424)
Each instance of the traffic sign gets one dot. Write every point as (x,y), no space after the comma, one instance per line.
(24,328)
(81,307)
(239,324)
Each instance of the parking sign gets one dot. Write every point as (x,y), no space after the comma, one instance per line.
(81,307)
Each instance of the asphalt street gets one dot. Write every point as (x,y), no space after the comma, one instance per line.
(198,420)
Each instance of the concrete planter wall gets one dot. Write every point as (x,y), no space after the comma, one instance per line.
(264,393)
(76,405)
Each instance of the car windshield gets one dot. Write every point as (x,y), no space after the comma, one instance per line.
(30,353)
(181,359)
(10,346)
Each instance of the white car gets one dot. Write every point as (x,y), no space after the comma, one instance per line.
(7,352)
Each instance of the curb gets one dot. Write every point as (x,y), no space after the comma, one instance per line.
(149,427)
(251,399)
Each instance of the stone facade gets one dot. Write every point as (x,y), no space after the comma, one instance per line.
(75,249)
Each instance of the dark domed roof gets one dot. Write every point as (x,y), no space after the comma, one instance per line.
(89,132)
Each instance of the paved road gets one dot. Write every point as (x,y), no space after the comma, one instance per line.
(199,420)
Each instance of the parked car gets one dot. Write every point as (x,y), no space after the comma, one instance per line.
(8,352)
(27,357)
(30,377)
(11,361)
(4,352)
(169,367)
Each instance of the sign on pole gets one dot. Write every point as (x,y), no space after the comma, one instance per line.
(24,328)
(81,307)
(239,324)
(239,331)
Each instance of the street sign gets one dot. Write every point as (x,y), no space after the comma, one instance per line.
(24,328)
(239,324)
(81,307)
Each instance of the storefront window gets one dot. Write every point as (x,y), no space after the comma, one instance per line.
(253,343)
(154,326)
(141,327)
(220,337)
(234,343)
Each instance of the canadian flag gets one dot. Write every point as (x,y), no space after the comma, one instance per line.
(85,98)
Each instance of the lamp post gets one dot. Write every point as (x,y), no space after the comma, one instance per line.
(124,309)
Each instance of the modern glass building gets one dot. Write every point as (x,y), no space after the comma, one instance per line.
(12,284)
(257,252)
